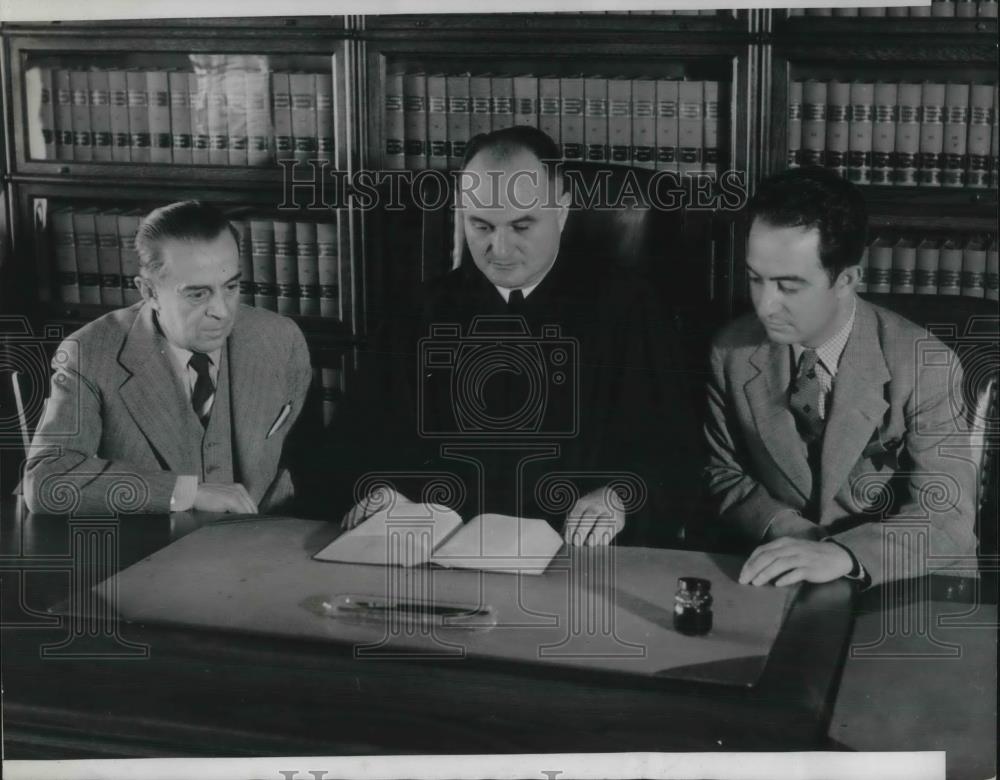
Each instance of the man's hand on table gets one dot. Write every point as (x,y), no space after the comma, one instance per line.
(787,561)
(595,519)
(212,497)
(377,500)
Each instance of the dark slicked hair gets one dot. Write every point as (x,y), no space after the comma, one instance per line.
(505,143)
(188,220)
(816,198)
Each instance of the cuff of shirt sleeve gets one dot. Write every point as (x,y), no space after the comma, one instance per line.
(182,499)
(857,572)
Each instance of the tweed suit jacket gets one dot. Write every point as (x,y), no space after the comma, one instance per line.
(896,463)
(111,438)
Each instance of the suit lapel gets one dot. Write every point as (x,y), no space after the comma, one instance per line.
(857,404)
(766,393)
(152,393)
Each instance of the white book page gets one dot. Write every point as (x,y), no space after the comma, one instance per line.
(404,534)
(504,543)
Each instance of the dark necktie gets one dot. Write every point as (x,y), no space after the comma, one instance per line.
(203,387)
(515,302)
(804,398)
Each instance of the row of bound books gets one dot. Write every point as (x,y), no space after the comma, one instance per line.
(234,117)
(932,266)
(965,9)
(905,134)
(650,123)
(290,267)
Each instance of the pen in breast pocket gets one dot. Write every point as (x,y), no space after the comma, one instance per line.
(281,418)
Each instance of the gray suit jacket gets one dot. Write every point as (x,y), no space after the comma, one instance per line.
(111,436)
(895,448)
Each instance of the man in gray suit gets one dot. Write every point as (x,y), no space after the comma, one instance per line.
(829,417)
(183,400)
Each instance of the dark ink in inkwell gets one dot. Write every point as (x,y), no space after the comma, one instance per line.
(693,606)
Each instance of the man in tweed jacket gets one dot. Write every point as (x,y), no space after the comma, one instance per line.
(836,444)
(181,401)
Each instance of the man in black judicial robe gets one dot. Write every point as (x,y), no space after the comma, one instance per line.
(547,382)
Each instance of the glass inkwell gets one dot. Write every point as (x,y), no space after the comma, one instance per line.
(693,606)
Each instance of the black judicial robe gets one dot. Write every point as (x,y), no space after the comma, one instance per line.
(469,403)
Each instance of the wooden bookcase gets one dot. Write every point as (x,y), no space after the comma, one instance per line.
(752,55)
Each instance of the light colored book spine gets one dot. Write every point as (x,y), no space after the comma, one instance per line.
(502,102)
(838,127)
(595,121)
(904,265)
(620,120)
(813,122)
(286,267)
(950,269)
(281,96)
(942,8)
(118,110)
(82,128)
(100,115)
(325,139)
(987,9)
(415,120)
(794,155)
(905,160)
(978,142)
(928,260)
(571,126)
(690,125)
(259,143)
(160,143)
(235,83)
(931,134)
(437,122)
(201,142)
(64,249)
(482,108)
(459,107)
(85,234)
(965,9)
(644,123)
(128,225)
(180,117)
(884,133)
(995,142)
(526,100)
(46,116)
(992,280)
(974,269)
(303,89)
(109,258)
(218,129)
(245,243)
(307,260)
(549,108)
(956,132)
(265,288)
(63,110)
(667,96)
(920,11)
(710,156)
(880,266)
(328,251)
(392,154)
(859,156)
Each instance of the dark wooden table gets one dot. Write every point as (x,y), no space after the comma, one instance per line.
(155,691)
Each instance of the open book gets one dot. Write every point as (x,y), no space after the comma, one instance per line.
(410,534)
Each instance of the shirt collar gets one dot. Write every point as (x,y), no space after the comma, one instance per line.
(525,291)
(829,352)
